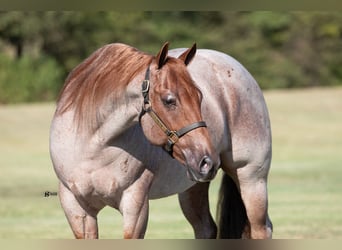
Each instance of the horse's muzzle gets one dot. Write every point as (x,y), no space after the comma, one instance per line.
(207,170)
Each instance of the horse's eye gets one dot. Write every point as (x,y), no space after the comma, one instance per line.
(169,100)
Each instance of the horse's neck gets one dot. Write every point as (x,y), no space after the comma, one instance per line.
(124,115)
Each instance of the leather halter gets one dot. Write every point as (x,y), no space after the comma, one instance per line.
(172,135)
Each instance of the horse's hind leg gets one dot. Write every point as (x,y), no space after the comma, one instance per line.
(82,223)
(243,202)
(195,205)
(253,187)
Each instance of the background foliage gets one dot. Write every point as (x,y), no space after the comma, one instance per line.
(280,49)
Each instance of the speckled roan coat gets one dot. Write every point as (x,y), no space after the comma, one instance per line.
(103,155)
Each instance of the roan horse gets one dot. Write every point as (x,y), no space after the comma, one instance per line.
(130,127)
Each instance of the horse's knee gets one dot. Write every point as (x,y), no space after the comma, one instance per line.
(135,214)
(195,206)
(83,223)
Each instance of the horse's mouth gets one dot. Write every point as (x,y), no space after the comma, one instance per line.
(198,177)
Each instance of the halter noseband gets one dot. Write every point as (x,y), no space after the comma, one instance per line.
(172,135)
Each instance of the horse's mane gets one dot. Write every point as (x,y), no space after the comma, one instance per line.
(100,78)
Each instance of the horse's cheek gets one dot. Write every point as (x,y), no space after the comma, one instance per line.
(152,132)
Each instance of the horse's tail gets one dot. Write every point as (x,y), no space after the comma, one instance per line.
(231,213)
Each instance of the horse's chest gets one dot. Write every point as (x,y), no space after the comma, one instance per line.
(171,178)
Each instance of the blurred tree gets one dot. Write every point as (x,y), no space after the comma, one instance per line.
(19,28)
(280,49)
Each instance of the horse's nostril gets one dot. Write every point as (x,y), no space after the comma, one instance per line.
(206,165)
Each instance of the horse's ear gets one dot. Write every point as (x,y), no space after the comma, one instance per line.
(162,55)
(188,55)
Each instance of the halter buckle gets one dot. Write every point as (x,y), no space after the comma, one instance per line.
(172,136)
(145,86)
(147,107)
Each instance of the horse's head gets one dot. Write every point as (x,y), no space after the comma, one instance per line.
(173,103)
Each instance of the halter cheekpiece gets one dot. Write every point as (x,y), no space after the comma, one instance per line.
(172,135)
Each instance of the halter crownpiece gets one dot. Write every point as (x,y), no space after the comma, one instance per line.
(172,135)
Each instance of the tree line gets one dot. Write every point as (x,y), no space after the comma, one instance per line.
(280,49)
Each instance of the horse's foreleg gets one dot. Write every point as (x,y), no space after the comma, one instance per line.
(195,206)
(253,188)
(135,217)
(134,207)
(82,223)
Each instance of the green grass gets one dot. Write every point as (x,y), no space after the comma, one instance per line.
(304,183)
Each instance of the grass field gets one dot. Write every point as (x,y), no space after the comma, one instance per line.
(305,187)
